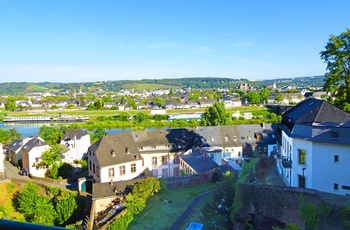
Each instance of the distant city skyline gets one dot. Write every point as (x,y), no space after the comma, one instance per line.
(88,41)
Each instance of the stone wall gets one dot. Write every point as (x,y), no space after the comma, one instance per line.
(281,204)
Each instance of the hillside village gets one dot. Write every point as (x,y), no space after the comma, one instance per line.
(313,134)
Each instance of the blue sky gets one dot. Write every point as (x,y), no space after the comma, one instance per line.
(86,40)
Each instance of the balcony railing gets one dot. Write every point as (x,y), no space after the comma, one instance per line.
(286,162)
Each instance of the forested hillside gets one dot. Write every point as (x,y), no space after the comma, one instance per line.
(21,88)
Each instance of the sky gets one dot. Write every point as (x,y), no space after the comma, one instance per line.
(101,40)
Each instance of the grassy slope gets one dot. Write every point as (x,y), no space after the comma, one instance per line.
(161,215)
(7,192)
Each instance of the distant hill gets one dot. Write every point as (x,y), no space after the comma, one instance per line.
(21,88)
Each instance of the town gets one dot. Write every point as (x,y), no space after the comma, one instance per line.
(279,157)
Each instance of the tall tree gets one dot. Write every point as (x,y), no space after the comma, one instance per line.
(27,198)
(337,57)
(216,115)
(217,209)
(14,134)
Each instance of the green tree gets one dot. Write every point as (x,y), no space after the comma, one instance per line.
(141,117)
(264,95)
(217,209)
(51,135)
(14,134)
(65,204)
(98,133)
(4,135)
(216,115)
(44,212)
(337,57)
(99,103)
(253,97)
(10,104)
(27,198)
(279,98)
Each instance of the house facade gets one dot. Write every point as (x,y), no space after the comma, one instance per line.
(114,158)
(32,156)
(14,151)
(1,158)
(315,147)
(77,142)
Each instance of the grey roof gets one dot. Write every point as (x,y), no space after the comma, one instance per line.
(32,143)
(315,112)
(178,139)
(197,161)
(102,190)
(70,134)
(227,136)
(250,132)
(210,135)
(16,145)
(115,149)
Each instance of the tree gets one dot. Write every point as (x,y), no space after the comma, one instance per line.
(264,95)
(65,204)
(217,209)
(27,198)
(10,104)
(51,135)
(337,57)
(279,98)
(253,97)
(4,135)
(44,212)
(216,115)
(98,133)
(141,117)
(14,134)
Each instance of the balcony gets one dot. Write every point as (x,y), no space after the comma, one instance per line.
(286,162)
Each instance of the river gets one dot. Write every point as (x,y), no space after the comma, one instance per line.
(32,129)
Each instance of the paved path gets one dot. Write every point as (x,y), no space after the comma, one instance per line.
(178,223)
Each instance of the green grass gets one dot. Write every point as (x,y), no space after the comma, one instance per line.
(36,88)
(161,215)
(195,216)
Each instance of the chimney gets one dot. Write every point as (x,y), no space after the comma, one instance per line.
(111,182)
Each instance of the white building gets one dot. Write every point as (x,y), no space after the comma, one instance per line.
(77,142)
(315,147)
(32,156)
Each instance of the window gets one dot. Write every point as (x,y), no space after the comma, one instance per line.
(176,160)
(336,159)
(154,160)
(167,146)
(90,165)
(93,168)
(335,187)
(153,147)
(133,168)
(97,172)
(164,160)
(302,156)
(111,172)
(335,134)
(234,138)
(345,187)
(140,147)
(122,170)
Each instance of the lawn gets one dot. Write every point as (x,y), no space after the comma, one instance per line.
(159,214)
(7,210)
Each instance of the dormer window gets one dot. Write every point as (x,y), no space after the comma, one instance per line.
(127,150)
(234,138)
(226,138)
(113,153)
(335,134)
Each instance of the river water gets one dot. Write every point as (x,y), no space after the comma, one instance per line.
(32,129)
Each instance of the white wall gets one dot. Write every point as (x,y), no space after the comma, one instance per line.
(34,153)
(104,177)
(327,172)
(297,168)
